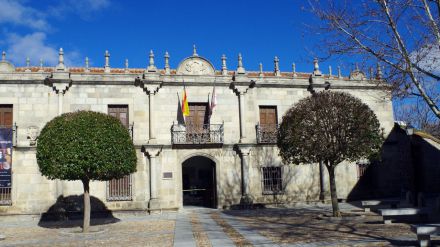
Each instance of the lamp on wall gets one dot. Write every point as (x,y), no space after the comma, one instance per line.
(409,130)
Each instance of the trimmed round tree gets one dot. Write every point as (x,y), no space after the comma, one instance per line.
(86,146)
(330,127)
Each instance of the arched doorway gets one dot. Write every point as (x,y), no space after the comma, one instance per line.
(199,182)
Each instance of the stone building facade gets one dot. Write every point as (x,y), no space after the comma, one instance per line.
(217,159)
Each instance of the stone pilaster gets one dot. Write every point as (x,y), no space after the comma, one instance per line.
(244,151)
(60,83)
(240,89)
(153,152)
(151,91)
(151,88)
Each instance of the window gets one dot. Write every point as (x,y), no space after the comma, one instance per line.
(271,180)
(120,189)
(362,169)
(6,133)
(268,126)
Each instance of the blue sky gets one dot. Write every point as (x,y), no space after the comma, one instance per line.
(258,29)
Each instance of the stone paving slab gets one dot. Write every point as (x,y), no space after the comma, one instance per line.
(250,234)
(215,233)
(183,234)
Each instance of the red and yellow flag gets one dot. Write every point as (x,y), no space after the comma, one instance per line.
(185,107)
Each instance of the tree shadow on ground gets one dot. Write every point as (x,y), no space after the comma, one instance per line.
(305,226)
(68,211)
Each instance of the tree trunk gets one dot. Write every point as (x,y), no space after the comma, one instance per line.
(333,192)
(86,220)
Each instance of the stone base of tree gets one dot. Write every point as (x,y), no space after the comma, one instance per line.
(246,200)
(154,206)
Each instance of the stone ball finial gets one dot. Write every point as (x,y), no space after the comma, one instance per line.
(316,71)
(60,66)
(379,72)
(28,65)
(61,56)
(195,51)
(107,62)
(315,64)
(151,67)
(276,61)
(167,63)
(240,68)
(41,65)
(224,67)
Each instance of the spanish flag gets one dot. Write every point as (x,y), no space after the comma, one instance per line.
(185,107)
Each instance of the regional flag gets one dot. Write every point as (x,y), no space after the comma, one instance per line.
(185,107)
(213,101)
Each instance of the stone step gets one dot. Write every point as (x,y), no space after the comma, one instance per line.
(403,211)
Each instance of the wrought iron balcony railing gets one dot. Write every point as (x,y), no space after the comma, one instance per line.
(197,134)
(267,133)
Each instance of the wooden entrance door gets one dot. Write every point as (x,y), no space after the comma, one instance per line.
(197,123)
(268,124)
(268,116)
(198,117)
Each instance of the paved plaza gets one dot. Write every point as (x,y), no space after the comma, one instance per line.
(303,225)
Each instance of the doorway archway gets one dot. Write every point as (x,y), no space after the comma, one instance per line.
(199,182)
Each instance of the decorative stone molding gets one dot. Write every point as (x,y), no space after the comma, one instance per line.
(58,85)
(195,66)
(149,87)
(240,88)
(152,150)
(32,134)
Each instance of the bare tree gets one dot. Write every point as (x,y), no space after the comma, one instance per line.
(418,115)
(330,127)
(403,36)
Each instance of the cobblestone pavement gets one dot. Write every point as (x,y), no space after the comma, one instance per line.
(198,227)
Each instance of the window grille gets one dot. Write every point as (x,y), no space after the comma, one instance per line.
(120,189)
(362,169)
(271,180)
(5,196)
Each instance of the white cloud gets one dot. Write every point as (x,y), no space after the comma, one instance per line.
(428,58)
(14,12)
(83,8)
(35,47)
(34,44)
